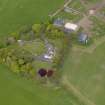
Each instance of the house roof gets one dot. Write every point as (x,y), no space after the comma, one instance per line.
(71,26)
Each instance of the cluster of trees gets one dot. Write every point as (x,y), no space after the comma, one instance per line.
(54,33)
(19,61)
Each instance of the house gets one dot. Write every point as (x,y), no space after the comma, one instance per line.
(71,27)
(83,38)
(58,22)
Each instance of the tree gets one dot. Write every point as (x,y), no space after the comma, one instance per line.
(15,35)
(14,67)
(36,28)
(21,62)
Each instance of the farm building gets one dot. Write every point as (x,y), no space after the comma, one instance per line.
(71,27)
(58,22)
(83,38)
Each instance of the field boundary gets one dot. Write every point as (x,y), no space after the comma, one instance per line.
(83,99)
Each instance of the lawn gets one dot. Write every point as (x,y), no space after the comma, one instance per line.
(15,13)
(85,70)
(35,48)
(15,90)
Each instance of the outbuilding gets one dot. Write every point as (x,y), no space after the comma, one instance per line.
(71,26)
(83,38)
(58,22)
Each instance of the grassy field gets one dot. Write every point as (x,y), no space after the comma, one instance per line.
(85,70)
(15,90)
(15,13)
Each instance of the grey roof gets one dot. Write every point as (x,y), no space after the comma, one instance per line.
(82,37)
(58,22)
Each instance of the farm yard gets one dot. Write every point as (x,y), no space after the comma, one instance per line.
(80,76)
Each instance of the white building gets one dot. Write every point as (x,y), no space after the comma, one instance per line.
(92,12)
(71,26)
(48,56)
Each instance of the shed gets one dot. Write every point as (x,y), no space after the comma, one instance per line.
(58,22)
(83,38)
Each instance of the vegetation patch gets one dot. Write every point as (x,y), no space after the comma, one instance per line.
(33,48)
(98,27)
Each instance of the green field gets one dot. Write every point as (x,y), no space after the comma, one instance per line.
(15,13)
(15,90)
(85,70)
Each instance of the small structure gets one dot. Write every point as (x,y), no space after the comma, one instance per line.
(70,10)
(58,22)
(48,56)
(83,38)
(92,11)
(71,27)
(50,52)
